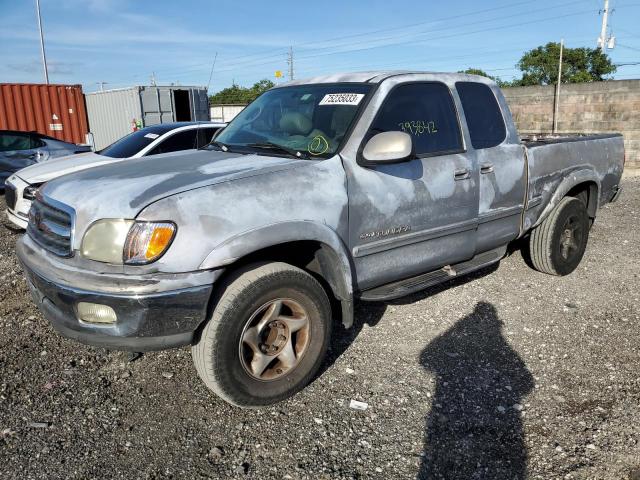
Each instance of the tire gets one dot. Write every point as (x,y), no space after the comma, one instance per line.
(239,338)
(551,249)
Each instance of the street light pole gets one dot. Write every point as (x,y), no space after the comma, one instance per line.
(44,57)
(557,105)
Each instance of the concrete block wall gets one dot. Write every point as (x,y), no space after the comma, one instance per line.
(598,107)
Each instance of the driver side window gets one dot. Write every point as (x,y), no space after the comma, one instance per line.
(426,112)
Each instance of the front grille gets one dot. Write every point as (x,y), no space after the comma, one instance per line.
(10,196)
(50,227)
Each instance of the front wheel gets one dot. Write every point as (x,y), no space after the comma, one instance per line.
(267,336)
(557,245)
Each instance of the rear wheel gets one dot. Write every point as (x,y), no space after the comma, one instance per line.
(267,336)
(557,245)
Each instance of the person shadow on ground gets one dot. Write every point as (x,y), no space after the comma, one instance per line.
(474,429)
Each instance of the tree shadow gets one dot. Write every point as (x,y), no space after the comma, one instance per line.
(474,429)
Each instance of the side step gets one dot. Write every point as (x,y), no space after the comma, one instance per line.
(415,284)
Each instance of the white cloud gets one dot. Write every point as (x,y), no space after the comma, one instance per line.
(54,67)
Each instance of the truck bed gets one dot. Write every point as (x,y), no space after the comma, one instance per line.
(557,160)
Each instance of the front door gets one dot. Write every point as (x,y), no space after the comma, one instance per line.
(419,215)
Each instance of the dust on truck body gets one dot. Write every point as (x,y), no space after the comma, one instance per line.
(365,185)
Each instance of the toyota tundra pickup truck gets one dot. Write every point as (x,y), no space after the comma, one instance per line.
(353,186)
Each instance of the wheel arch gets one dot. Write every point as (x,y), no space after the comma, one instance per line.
(309,245)
(585,180)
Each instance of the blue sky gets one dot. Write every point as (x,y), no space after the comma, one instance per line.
(122,42)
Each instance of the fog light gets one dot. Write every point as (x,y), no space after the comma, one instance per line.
(96,313)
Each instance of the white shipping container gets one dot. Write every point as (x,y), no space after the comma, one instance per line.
(115,113)
(225,113)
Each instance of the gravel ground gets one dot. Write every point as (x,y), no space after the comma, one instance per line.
(513,374)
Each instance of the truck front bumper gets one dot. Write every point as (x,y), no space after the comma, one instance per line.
(149,319)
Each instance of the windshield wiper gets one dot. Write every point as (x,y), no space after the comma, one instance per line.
(274,146)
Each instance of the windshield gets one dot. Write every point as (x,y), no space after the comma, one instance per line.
(311,120)
(134,142)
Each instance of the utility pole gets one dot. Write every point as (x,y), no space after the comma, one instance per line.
(102,84)
(290,63)
(602,41)
(44,57)
(557,105)
(153,78)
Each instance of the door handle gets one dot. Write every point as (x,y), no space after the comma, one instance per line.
(486,168)
(461,174)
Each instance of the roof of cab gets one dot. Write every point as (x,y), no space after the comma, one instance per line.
(377,76)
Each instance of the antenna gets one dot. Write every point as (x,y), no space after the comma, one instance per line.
(211,74)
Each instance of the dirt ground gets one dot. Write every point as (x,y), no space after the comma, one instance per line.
(508,374)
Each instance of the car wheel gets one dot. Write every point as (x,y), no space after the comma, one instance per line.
(267,335)
(557,245)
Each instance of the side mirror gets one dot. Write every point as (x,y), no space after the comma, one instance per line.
(388,147)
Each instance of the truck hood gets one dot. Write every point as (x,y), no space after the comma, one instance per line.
(122,189)
(56,167)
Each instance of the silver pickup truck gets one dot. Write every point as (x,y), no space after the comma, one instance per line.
(352,186)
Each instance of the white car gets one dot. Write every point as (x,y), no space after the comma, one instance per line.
(21,187)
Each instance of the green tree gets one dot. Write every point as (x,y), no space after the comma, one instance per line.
(540,65)
(237,94)
(478,71)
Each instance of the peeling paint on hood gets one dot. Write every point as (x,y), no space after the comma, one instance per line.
(122,189)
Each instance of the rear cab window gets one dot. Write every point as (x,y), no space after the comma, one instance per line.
(425,111)
(484,116)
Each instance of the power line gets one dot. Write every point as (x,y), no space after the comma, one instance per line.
(233,67)
(500,27)
(400,27)
(440,37)
(630,48)
(260,61)
(444,28)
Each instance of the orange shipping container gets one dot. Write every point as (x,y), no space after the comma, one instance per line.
(55,110)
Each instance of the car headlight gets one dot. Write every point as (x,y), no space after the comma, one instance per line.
(127,241)
(104,240)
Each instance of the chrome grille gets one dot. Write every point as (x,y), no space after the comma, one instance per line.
(10,196)
(50,227)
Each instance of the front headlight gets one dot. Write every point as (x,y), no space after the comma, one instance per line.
(127,241)
(104,240)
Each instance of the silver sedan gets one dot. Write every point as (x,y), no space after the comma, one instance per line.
(21,149)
